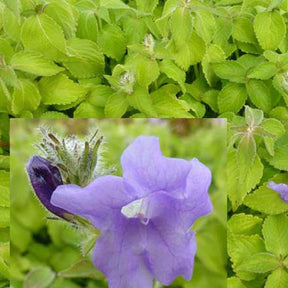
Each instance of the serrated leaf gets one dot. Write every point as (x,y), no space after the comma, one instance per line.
(232,98)
(6,49)
(244,224)
(280,85)
(63,14)
(170,6)
(278,279)
(5,98)
(273,126)
(87,27)
(116,105)
(197,107)
(9,76)
(253,117)
(205,25)
(264,71)
(237,190)
(87,110)
(260,263)
(88,60)
(181,18)
(266,200)
(270,29)
(147,6)
(230,70)
(167,105)
(41,277)
(11,24)
(132,24)
(26,97)
(275,232)
(35,63)
(189,53)
(169,68)
(259,94)
(113,42)
(53,115)
(42,34)
(243,30)
(213,54)
(234,282)
(240,249)
(280,159)
(141,100)
(60,90)
(147,71)
(211,98)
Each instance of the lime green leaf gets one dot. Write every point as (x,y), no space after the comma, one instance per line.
(244,224)
(275,232)
(266,200)
(270,29)
(5,98)
(246,154)
(273,126)
(87,110)
(9,76)
(147,71)
(41,277)
(132,24)
(4,162)
(230,70)
(147,6)
(116,105)
(259,94)
(234,282)
(280,84)
(53,115)
(170,6)
(87,27)
(113,41)
(11,24)
(6,49)
(253,117)
(4,217)
(243,30)
(205,25)
(278,279)
(174,72)
(35,63)
(240,249)
(181,18)
(237,190)
(232,98)
(213,54)
(88,60)
(60,89)
(4,269)
(26,97)
(99,95)
(113,4)
(260,263)
(41,33)
(167,105)
(264,71)
(210,97)
(141,99)
(280,159)
(280,113)
(197,107)
(63,15)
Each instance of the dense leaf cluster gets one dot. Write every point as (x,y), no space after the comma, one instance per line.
(109,58)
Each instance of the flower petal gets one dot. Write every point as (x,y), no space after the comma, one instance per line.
(146,170)
(281,188)
(100,201)
(171,254)
(120,255)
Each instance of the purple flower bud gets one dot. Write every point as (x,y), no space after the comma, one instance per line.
(45,178)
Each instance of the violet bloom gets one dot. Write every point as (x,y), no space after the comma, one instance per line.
(281,188)
(44,178)
(145,217)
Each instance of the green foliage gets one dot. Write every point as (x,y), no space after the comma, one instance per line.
(52,253)
(238,48)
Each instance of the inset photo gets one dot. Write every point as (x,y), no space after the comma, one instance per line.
(118,203)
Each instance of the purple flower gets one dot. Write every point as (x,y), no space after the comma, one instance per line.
(44,178)
(281,188)
(145,217)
